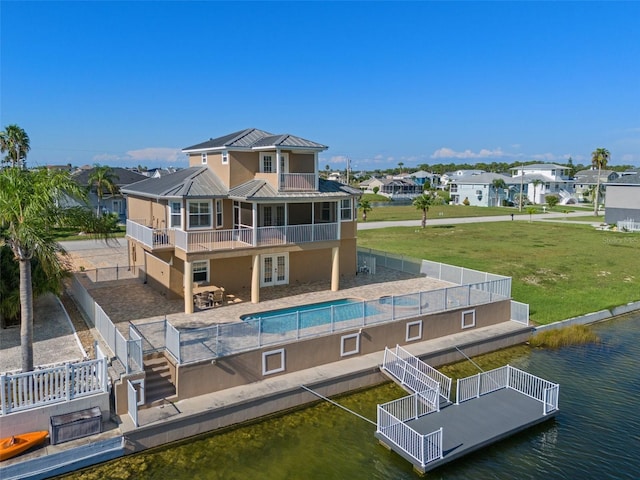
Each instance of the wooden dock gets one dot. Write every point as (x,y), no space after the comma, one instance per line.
(489,407)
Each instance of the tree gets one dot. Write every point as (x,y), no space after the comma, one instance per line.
(28,210)
(400,165)
(423,202)
(102,179)
(552,200)
(327,168)
(376,189)
(531,211)
(366,207)
(14,141)
(535,185)
(599,159)
(498,184)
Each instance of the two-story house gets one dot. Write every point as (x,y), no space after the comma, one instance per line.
(250,212)
(587,180)
(541,179)
(481,190)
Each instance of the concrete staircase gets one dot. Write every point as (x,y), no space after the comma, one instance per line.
(158,383)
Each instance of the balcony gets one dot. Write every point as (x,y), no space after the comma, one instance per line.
(297,182)
(215,240)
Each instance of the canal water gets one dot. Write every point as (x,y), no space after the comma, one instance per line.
(596,434)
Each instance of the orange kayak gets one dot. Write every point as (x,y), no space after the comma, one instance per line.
(12,446)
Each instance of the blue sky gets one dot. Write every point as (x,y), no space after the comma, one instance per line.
(128,83)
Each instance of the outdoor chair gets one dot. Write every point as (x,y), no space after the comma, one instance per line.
(201,300)
(216,297)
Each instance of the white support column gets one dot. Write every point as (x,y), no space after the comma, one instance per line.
(254,222)
(255,280)
(188,287)
(316,170)
(335,269)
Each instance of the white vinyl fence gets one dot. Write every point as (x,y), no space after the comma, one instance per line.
(23,391)
(128,351)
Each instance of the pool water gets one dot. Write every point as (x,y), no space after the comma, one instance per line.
(311,315)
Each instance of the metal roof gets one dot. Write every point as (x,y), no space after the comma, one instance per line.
(122,176)
(626,180)
(261,190)
(253,138)
(190,182)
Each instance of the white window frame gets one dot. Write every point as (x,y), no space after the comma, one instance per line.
(346,209)
(219,213)
(273,164)
(173,214)
(225,157)
(473,319)
(418,336)
(200,264)
(343,341)
(205,227)
(279,369)
(203,158)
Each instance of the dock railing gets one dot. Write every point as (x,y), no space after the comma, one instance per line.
(442,380)
(391,418)
(544,391)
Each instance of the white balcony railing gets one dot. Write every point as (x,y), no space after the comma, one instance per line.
(297,182)
(151,237)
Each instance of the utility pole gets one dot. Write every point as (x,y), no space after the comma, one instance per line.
(521,186)
(348,168)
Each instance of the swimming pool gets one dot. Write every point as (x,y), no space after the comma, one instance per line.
(312,315)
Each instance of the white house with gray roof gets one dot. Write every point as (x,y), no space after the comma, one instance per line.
(542,179)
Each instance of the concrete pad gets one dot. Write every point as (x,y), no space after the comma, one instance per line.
(54,339)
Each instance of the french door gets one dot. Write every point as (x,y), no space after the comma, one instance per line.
(275,270)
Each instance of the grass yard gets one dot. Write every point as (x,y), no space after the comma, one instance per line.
(560,270)
(409,212)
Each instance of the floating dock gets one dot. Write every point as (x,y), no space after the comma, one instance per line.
(489,407)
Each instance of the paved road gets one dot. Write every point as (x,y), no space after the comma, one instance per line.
(455,221)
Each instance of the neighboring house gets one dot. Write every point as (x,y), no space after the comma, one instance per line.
(447,178)
(425,179)
(158,172)
(585,180)
(250,212)
(393,187)
(479,190)
(542,179)
(111,203)
(623,199)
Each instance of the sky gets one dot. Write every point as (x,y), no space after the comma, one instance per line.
(380,83)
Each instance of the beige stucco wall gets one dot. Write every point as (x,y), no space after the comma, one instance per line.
(205,377)
(139,209)
(243,167)
(301,163)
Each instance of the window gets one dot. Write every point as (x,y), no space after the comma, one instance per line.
(219,213)
(201,271)
(468,319)
(199,214)
(273,361)
(204,158)
(225,158)
(176,216)
(266,163)
(345,209)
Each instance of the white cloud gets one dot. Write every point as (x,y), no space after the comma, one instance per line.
(105,158)
(162,154)
(445,152)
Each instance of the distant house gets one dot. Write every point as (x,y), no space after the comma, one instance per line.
(393,187)
(479,190)
(424,179)
(541,179)
(623,199)
(111,203)
(585,180)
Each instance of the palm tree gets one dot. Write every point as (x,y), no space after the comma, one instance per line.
(102,179)
(498,184)
(15,142)
(599,158)
(366,207)
(28,210)
(535,185)
(400,164)
(423,202)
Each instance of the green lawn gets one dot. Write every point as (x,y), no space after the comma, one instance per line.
(409,212)
(560,270)
(66,234)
